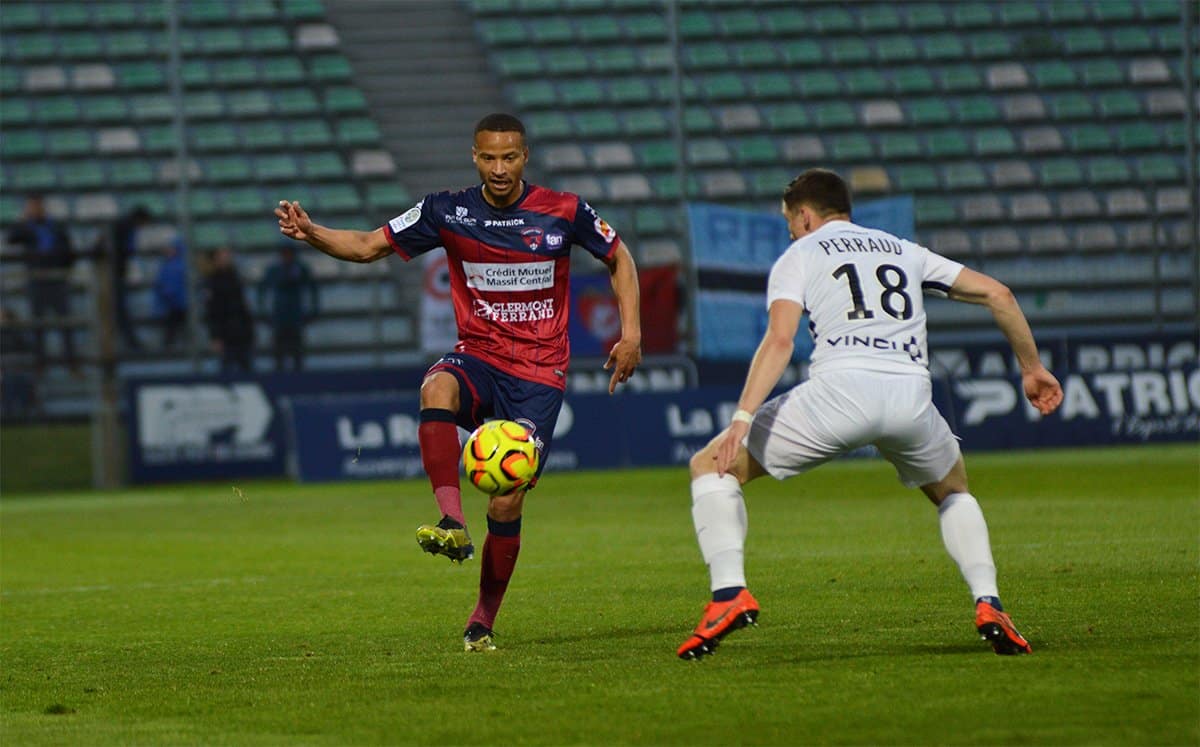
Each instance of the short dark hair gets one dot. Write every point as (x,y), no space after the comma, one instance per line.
(500,122)
(821,190)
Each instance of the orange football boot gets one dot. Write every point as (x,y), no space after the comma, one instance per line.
(719,620)
(997,628)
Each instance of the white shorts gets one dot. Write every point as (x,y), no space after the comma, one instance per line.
(840,411)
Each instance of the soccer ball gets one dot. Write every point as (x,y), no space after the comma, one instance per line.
(500,457)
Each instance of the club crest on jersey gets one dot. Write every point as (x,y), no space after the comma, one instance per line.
(532,237)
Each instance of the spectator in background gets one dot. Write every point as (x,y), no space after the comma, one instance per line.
(18,394)
(47,251)
(287,295)
(171,291)
(122,244)
(230,325)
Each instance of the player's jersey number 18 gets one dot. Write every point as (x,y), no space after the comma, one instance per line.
(894,300)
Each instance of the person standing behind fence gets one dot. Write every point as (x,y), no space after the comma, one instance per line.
(122,241)
(48,254)
(171,291)
(230,325)
(287,295)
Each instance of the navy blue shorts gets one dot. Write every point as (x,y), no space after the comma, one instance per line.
(487,393)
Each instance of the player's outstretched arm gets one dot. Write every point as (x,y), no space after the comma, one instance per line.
(352,246)
(1041,387)
(626,354)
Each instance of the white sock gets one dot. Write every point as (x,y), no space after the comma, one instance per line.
(719,514)
(966,536)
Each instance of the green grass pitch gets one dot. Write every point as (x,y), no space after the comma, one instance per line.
(307,615)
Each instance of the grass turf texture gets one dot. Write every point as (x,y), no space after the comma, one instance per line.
(306,614)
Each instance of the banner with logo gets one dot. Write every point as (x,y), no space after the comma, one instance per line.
(733,251)
(595,321)
(439,333)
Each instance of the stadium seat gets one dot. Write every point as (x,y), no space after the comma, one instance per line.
(1086,138)
(818,84)
(646,122)
(1102,72)
(759,149)
(357,131)
(865,82)
(1138,136)
(801,52)
(943,46)
(329,67)
(755,54)
(1083,41)
(999,240)
(250,104)
(899,145)
(894,49)
(602,123)
(851,147)
(1061,172)
(963,77)
(214,136)
(1158,168)
(948,143)
(884,113)
(1119,104)
(1080,204)
(1031,206)
(964,175)
(388,197)
(1023,107)
(1072,105)
(69,142)
(1007,174)
(876,18)
(912,80)
(1126,202)
(699,120)
(774,85)
(786,117)
(848,50)
(915,178)
(832,20)
(803,148)
(279,167)
(933,111)
(310,133)
(1131,39)
(929,210)
(994,141)
(834,115)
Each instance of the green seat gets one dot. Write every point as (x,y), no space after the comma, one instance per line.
(15,111)
(786,117)
(255,10)
(666,186)
(22,144)
(1118,104)
(566,61)
(276,168)
(897,145)
(32,47)
(978,109)
(818,83)
(388,197)
(963,77)
(294,102)
(758,149)
(105,108)
(852,146)
(221,41)
(1129,39)
(338,198)
(696,24)
(947,143)
(550,29)
(310,133)
(358,131)
(132,172)
(917,177)
(898,48)
(965,175)
(770,183)
(1138,136)
(631,90)
(548,125)
(343,99)
(801,52)
(604,28)
(1103,72)
(196,74)
(944,47)
(214,136)
(248,201)
(876,18)
(849,50)
(210,235)
(657,154)
(645,122)
(614,59)
(931,210)
(704,55)
(1160,10)
(1019,13)
(237,71)
(1054,74)
(159,138)
(1170,38)
(1083,41)
(1158,169)
(832,20)
(864,81)
(255,103)
(534,94)
(227,169)
(1066,13)
(58,110)
(926,16)
(758,53)
(1071,105)
(646,27)
(323,166)
(991,44)
(994,141)
(518,63)
(71,142)
(785,22)
(20,17)
(599,123)
(834,115)
(1109,170)
(141,75)
(723,87)
(263,135)
(206,11)
(973,15)
(83,45)
(912,80)
(1088,137)
(775,85)
(738,22)
(303,10)
(327,67)
(708,152)
(1114,11)
(203,104)
(928,111)
(651,221)
(10,81)
(586,92)
(34,176)
(267,39)
(283,70)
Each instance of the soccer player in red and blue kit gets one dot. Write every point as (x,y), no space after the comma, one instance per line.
(508,244)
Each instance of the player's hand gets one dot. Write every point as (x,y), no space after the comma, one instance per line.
(1042,390)
(624,357)
(293,221)
(728,445)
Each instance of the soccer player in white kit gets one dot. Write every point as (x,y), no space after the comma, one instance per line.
(869,384)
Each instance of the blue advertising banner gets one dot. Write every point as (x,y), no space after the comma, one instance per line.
(733,250)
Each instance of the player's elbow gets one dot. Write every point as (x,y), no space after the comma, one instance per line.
(999,297)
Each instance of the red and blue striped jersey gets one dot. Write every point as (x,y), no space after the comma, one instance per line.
(509,271)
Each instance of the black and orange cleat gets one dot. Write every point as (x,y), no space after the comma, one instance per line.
(719,620)
(996,627)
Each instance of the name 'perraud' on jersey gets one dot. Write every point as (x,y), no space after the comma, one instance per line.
(862,289)
(509,271)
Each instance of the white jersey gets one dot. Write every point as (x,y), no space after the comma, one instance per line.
(862,289)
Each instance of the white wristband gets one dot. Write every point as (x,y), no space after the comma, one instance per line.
(742,416)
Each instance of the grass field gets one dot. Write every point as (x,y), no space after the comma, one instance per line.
(306,614)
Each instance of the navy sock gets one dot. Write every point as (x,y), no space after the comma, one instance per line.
(727,594)
(449,523)
(994,601)
(505,528)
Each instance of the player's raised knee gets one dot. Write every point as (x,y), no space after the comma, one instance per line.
(703,462)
